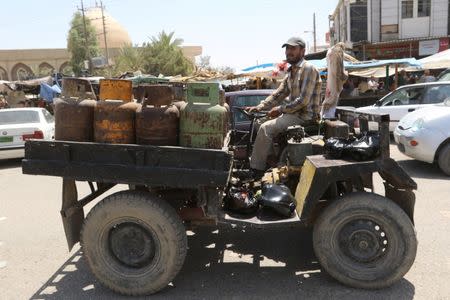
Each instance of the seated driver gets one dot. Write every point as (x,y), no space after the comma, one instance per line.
(302,84)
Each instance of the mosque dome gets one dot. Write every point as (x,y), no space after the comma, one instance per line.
(116,35)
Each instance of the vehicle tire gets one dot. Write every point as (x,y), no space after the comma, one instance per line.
(444,159)
(134,242)
(365,240)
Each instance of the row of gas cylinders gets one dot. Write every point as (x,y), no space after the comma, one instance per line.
(201,122)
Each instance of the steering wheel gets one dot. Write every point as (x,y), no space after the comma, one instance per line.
(397,102)
(253,114)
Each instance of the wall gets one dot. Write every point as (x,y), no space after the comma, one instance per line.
(439,17)
(375,20)
(31,59)
(415,27)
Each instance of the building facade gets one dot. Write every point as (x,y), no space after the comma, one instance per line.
(382,29)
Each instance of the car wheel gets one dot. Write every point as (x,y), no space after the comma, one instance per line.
(444,159)
(134,242)
(365,240)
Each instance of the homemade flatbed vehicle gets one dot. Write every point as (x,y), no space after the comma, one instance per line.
(135,241)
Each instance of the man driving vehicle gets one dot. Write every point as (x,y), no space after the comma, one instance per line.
(302,84)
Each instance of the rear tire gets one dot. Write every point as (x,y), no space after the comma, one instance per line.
(134,243)
(444,159)
(365,240)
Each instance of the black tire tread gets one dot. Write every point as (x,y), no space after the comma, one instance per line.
(444,159)
(385,206)
(152,202)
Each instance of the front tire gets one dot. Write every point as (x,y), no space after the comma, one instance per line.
(365,240)
(134,243)
(444,159)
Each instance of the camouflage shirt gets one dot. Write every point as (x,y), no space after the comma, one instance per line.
(302,84)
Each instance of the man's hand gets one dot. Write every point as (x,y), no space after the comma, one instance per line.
(274,112)
(251,109)
(326,106)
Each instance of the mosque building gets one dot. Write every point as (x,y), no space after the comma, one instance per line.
(20,64)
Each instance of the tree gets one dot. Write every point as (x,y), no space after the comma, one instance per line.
(130,58)
(204,64)
(163,55)
(81,45)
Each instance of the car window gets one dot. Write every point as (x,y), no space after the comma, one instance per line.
(246,100)
(18,117)
(436,94)
(48,116)
(404,96)
(445,77)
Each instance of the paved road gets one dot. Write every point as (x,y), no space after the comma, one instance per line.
(221,263)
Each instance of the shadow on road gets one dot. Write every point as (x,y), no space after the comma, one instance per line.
(10,163)
(420,169)
(231,264)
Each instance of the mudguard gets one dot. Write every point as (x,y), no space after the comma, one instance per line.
(319,173)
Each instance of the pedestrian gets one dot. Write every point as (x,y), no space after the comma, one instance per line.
(402,78)
(372,84)
(302,84)
(427,77)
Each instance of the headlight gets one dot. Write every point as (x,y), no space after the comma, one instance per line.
(418,125)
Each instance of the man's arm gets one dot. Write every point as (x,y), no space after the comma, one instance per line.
(311,78)
(277,96)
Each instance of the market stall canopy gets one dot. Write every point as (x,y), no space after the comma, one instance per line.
(439,60)
(377,68)
(29,86)
(370,68)
(262,70)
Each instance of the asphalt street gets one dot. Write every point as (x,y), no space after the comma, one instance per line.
(222,262)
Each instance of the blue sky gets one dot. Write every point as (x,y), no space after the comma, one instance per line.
(233,33)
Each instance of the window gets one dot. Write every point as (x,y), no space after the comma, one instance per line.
(407,9)
(436,94)
(18,117)
(404,96)
(241,101)
(48,116)
(358,21)
(423,8)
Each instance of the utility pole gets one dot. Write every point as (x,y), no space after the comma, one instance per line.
(86,38)
(314,32)
(104,35)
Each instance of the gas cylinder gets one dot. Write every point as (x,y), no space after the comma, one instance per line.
(114,122)
(203,120)
(157,119)
(74,119)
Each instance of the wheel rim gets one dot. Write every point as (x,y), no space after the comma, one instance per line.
(131,244)
(363,241)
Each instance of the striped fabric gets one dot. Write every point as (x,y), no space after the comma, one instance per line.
(302,84)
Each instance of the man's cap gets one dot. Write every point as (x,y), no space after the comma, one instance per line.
(295,41)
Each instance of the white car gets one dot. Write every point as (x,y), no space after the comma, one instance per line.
(406,99)
(20,124)
(425,135)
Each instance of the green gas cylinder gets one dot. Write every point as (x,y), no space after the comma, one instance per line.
(203,120)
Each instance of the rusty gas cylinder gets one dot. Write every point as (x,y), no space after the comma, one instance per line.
(74,119)
(114,122)
(157,118)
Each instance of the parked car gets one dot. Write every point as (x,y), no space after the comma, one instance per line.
(408,98)
(20,124)
(425,135)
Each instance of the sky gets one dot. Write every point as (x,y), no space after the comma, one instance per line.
(234,33)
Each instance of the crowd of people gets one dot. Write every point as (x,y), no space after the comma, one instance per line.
(356,86)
